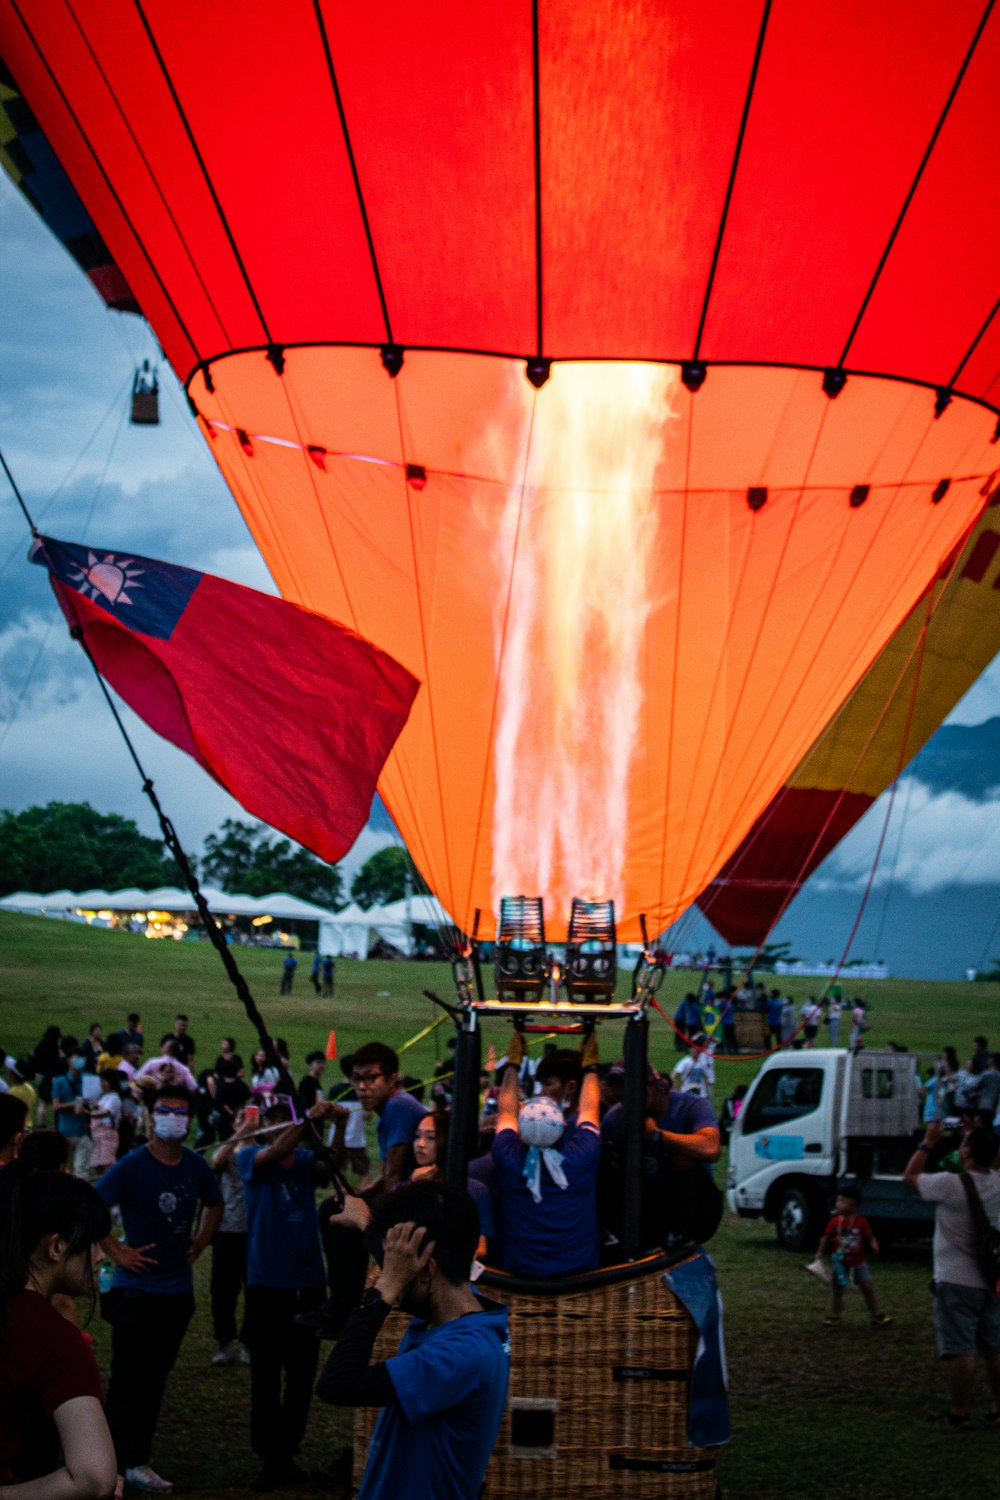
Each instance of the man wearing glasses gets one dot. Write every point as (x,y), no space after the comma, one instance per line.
(159,1188)
(375,1076)
(375,1079)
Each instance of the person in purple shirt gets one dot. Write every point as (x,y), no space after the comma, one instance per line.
(546,1185)
(681,1143)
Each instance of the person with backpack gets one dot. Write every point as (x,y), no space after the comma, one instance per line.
(966,1303)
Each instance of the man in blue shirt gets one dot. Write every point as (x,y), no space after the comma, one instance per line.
(375,1076)
(549,1206)
(285,1277)
(158,1188)
(443,1393)
(71,1120)
(681,1143)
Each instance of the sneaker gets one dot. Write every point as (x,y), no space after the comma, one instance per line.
(881,1320)
(142,1477)
(224,1355)
(244,1355)
(832,1321)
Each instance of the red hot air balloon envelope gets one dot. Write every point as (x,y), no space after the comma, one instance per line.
(639,585)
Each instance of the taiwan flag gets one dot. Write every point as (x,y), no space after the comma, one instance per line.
(292,714)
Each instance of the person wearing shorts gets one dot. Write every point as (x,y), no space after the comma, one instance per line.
(966,1305)
(848,1236)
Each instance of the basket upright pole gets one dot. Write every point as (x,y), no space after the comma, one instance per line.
(634,1118)
(463,1133)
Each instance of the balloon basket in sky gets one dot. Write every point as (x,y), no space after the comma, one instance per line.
(634,386)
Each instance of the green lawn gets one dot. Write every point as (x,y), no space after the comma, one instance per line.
(813,1410)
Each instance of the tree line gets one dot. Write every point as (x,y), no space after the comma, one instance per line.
(72,846)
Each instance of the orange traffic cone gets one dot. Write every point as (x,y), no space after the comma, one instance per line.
(331,1046)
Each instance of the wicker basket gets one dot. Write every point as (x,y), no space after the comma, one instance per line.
(598,1401)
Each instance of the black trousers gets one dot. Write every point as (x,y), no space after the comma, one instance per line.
(283,1359)
(147,1330)
(229,1274)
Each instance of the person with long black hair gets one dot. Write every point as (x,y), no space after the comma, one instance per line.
(51,1226)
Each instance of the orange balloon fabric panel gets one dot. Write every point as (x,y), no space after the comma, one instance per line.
(631,631)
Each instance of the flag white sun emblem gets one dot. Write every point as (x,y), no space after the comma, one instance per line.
(104,578)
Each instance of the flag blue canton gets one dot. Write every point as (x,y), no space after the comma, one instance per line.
(141,593)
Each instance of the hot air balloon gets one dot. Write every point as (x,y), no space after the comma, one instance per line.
(629,374)
(758,338)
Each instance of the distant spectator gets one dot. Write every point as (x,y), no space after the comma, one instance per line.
(812,1013)
(833,1010)
(285,1277)
(329,975)
(184,1043)
(44,1151)
(229,1251)
(695,1073)
(730,1112)
(92,1048)
(167,1068)
(966,1307)
(13,1114)
(772,1015)
(19,1088)
(311,1086)
(105,1116)
(788,1025)
(70,1113)
(288,967)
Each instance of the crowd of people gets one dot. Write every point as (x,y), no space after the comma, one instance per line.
(707,1018)
(280,1189)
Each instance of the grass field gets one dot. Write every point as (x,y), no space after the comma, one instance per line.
(814,1411)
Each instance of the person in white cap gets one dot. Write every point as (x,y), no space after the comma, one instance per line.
(548,1195)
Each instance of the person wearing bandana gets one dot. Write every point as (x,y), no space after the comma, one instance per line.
(546,1184)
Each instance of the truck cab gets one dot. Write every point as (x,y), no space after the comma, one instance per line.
(819,1115)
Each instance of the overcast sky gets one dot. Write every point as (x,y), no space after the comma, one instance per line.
(66,364)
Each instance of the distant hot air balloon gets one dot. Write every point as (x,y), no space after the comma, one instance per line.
(747,269)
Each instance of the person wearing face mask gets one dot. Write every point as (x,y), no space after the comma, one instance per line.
(71,1118)
(51,1227)
(158,1188)
(443,1393)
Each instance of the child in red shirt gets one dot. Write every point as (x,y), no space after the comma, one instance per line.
(847,1236)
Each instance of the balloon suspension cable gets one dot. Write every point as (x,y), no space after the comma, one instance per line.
(215,934)
(18,496)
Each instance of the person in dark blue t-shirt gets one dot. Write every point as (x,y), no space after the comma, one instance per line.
(547,1196)
(681,1143)
(285,1277)
(158,1188)
(443,1393)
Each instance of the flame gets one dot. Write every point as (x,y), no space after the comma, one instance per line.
(576,544)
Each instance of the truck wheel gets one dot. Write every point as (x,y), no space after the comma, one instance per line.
(796,1219)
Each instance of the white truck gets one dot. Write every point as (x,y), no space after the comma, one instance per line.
(819,1116)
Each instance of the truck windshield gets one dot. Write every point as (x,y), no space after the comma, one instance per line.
(782,1094)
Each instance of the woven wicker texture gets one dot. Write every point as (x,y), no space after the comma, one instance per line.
(599,1383)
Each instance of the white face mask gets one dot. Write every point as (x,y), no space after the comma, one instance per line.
(170,1127)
